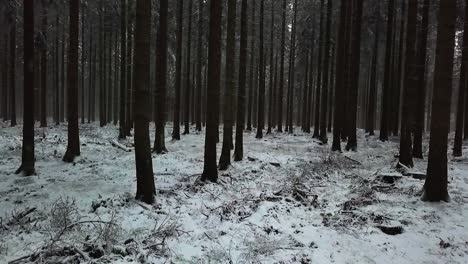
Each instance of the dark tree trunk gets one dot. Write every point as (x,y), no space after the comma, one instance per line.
(370,122)
(319,72)
(188,85)
(225,159)
(62,77)
(4,75)
(292,71)
(271,99)
(325,81)
(178,75)
(44,69)
(91,77)
(57,73)
(161,75)
(355,63)
(435,188)
(83,98)
(200,87)
(281,71)
(463,86)
(409,92)
(252,86)
(102,107)
(144,164)
(73,148)
(130,66)
(305,95)
(331,86)
(261,87)
(240,124)
(27,158)
(210,170)
(385,112)
(123,70)
(310,86)
(12,63)
(338,119)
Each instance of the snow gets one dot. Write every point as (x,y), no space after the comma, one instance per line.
(317,207)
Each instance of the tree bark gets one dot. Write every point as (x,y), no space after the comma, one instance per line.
(210,170)
(261,87)
(178,75)
(325,81)
(281,71)
(435,188)
(188,85)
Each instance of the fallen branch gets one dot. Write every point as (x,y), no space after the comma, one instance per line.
(120,146)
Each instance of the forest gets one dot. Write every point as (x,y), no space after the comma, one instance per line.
(233,131)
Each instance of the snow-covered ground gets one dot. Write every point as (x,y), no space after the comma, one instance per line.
(290,201)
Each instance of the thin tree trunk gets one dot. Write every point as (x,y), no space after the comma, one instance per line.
(261,90)
(200,87)
(325,81)
(178,75)
(13,65)
(123,70)
(161,75)
(188,85)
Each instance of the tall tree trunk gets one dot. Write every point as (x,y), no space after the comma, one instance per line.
(370,123)
(310,86)
(252,73)
(305,94)
(130,66)
(271,100)
(292,71)
(409,92)
(188,65)
(123,70)
(325,81)
(355,64)
(144,164)
(91,77)
(435,188)
(240,124)
(27,157)
(44,69)
(463,86)
(319,72)
(57,72)
(161,75)
(73,147)
(62,76)
(225,159)
(338,118)
(261,88)
(178,76)
(385,112)
(13,64)
(200,87)
(83,98)
(281,71)
(210,171)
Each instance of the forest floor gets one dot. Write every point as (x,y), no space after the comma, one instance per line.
(290,201)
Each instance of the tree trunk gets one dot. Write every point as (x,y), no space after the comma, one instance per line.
(261,87)
(178,75)
(144,164)
(13,65)
(281,71)
(200,87)
(240,124)
(161,75)
(370,122)
(319,72)
(73,147)
(272,69)
(123,70)
(225,159)
(188,85)
(435,188)
(27,159)
(44,69)
(325,81)
(252,86)
(210,171)
(385,112)
(463,86)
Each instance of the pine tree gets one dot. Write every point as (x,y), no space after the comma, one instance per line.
(261,88)
(178,76)
(27,159)
(240,123)
(435,188)
(161,75)
(210,170)
(225,159)
(144,164)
